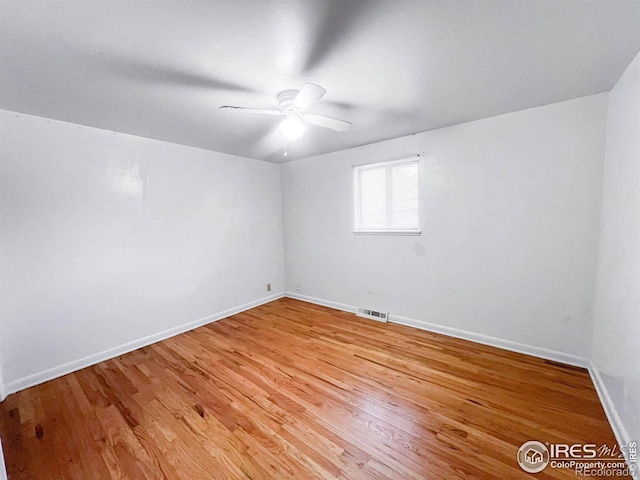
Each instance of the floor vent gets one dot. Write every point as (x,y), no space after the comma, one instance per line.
(372,314)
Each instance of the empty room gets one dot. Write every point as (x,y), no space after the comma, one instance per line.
(319,239)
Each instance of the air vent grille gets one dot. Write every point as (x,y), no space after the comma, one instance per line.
(372,314)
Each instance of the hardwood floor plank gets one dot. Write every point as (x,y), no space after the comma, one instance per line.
(296,390)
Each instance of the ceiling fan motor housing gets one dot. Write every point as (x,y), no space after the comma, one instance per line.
(285,100)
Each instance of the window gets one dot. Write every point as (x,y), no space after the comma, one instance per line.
(386,197)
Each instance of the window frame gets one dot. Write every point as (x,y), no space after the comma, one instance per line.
(413,159)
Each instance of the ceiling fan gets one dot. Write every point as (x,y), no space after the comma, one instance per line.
(292,105)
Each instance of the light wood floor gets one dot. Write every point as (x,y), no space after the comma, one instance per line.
(294,390)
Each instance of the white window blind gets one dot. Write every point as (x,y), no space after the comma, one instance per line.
(386,197)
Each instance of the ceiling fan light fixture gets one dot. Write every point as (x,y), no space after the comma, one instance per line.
(292,128)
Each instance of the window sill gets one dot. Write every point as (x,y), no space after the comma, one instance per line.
(387,232)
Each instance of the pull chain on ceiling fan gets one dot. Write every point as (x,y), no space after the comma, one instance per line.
(292,104)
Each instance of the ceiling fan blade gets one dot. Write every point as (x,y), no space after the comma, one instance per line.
(310,93)
(251,110)
(327,122)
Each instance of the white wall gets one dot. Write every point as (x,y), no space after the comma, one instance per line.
(616,336)
(3,471)
(107,239)
(509,216)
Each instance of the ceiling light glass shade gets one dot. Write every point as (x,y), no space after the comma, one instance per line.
(292,128)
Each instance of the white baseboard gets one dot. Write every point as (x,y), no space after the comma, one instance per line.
(540,352)
(64,369)
(319,301)
(504,344)
(619,430)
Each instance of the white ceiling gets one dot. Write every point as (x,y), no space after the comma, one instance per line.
(160,69)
